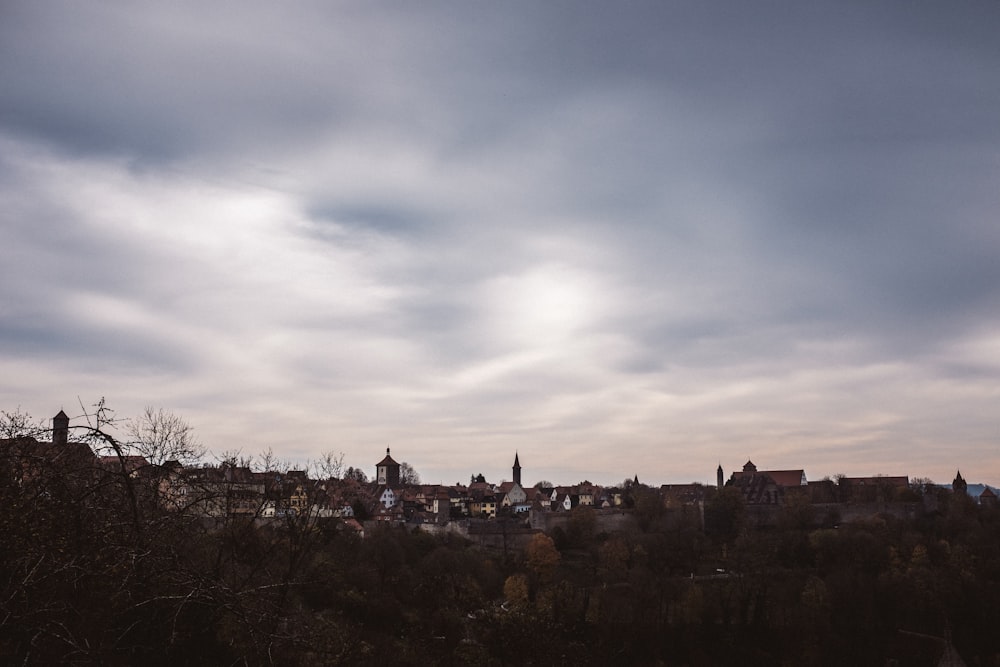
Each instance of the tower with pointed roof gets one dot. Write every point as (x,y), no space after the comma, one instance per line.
(387,472)
(959,485)
(718,477)
(517,470)
(60,429)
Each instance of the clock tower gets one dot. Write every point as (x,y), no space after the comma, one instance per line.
(387,472)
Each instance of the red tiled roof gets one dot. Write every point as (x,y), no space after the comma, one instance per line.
(387,460)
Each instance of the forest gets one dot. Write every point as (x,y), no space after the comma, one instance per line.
(93,570)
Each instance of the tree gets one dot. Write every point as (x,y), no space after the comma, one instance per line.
(515,589)
(921,485)
(543,484)
(329,465)
(407,475)
(724,514)
(268,461)
(162,436)
(649,508)
(541,555)
(19,424)
(357,474)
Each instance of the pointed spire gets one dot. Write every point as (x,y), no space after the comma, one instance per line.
(959,485)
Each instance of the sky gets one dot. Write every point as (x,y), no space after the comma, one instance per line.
(619,239)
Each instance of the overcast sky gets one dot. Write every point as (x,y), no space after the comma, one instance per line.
(617,238)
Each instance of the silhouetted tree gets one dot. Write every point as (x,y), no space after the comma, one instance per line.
(160,436)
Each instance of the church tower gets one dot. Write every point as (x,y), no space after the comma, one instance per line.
(718,477)
(517,470)
(387,472)
(959,485)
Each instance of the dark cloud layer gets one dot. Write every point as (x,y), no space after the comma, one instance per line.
(612,237)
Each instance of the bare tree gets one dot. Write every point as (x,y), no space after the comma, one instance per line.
(235,458)
(162,436)
(407,475)
(19,424)
(268,461)
(357,474)
(329,465)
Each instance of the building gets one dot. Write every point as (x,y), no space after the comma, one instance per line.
(387,472)
(767,487)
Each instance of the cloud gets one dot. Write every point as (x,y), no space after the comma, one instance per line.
(614,239)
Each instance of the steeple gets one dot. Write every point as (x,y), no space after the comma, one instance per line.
(718,477)
(959,485)
(517,470)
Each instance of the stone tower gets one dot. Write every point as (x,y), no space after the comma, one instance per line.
(517,470)
(60,429)
(387,472)
(718,477)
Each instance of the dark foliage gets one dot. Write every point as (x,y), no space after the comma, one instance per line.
(94,571)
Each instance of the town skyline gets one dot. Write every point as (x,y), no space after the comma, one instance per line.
(82,426)
(620,240)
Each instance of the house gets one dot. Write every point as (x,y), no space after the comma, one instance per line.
(482,503)
(585,491)
(565,499)
(440,503)
(225,490)
(783,478)
(679,495)
(297,498)
(386,497)
(871,489)
(393,514)
(510,494)
(542,496)
(60,460)
(767,487)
